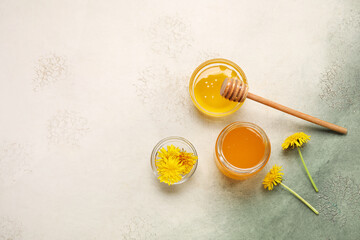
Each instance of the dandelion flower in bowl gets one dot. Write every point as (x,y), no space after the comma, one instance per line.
(174,160)
(187,160)
(170,170)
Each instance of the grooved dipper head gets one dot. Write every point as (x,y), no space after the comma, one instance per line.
(234,89)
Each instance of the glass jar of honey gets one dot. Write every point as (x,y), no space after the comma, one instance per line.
(242,149)
(205,84)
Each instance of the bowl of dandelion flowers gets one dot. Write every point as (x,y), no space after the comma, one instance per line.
(297,140)
(274,178)
(174,160)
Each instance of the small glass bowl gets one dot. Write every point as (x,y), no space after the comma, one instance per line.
(228,169)
(203,67)
(179,142)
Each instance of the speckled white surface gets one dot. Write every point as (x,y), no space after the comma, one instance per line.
(88,88)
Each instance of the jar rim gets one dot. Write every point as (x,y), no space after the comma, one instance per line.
(199,69)
(227,164)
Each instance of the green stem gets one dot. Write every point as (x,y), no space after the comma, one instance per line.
(299,197)
(307,171)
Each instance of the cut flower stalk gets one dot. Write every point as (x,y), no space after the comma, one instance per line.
(274,178)
(297,140)
(307,171)
(300,198)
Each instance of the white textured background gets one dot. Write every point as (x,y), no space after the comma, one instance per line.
(87,88)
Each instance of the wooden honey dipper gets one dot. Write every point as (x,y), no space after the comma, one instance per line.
(236,90)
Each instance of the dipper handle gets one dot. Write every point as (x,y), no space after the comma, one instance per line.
(236,90)
(298,114)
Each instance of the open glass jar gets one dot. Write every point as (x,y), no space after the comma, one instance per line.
(205,84)
(237,137)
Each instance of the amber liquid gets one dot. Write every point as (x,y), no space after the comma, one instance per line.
(243,147)
(207,89)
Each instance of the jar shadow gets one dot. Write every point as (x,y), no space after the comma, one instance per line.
(218,121)
(240,188)
(172,189)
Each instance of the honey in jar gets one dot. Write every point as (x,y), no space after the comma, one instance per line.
(242,149)
(205,85)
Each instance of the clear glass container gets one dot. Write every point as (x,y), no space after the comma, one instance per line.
(179,142)
(204,67)
(228,169)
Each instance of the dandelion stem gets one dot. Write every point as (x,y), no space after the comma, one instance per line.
(307,171)
(299,197)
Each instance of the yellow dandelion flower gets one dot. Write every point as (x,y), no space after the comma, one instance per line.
(297,139)
(171,151)
(188,160)
(172,164)
(170,171)
(273,177)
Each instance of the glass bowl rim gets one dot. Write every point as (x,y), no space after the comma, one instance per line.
(179,139)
